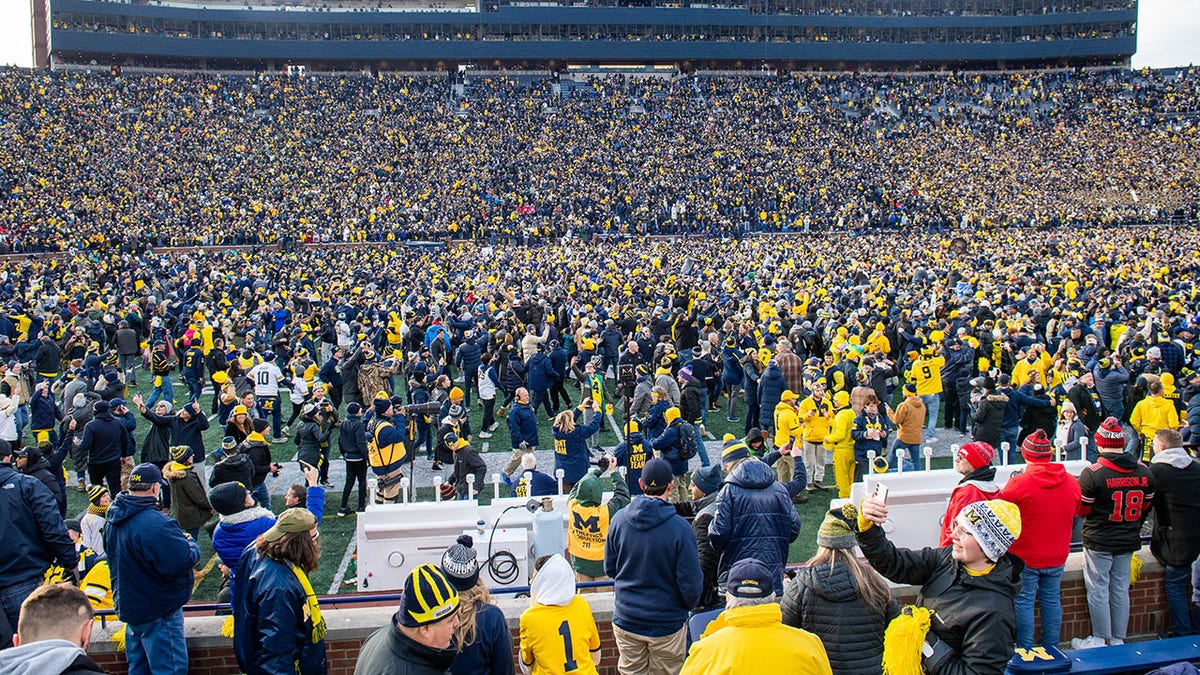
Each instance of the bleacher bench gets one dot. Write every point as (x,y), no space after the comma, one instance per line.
(1135,657)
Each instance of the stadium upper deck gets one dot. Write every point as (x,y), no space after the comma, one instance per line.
(416,34)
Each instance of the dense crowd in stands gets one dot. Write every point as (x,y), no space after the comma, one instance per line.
(1079,338)
(122,164)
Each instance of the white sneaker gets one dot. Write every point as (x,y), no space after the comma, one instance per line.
(1113,642)
(931,439)
(1089,642)
(286,431)
(484,434)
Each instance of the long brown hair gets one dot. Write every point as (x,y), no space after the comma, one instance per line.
(468,609)
(298,548)
(871,587)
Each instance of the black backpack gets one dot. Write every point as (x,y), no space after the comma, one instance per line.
(688,441)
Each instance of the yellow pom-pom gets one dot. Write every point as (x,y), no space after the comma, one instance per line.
(903,641)
(227,627)
(729,437)
(118,639)
(1135,569)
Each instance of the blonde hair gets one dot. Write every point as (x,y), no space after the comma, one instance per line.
(565,422)
(871,587)
(468,610)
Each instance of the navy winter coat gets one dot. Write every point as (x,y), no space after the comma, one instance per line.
(770,390)
(755,519)
(105,439)
(272,633)
(653,592)
(32,529)
(522,425)
(571,451)
(540,372)
(352,439)
(149,558)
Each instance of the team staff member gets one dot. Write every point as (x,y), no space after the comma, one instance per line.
(588,521)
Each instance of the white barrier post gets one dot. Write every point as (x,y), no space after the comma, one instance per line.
(1058,452)
(372,486)
(1004,447)
(404,484)
(901,453)
(495,486)
(470,487)
(437,489)
(1083,443)
(558,475)
(928,452)
(870,471)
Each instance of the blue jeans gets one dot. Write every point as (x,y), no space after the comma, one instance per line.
(11,598)
(21,418)
(1009,436)
(261,495)
(1175,587)
(933,405)
(157,647)
(164,391)
(269,405)
(1042,586)
(913,450)
(194,387)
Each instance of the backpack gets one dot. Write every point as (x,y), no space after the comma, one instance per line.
(688,443)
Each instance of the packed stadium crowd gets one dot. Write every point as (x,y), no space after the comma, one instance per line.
(827,349)
(122,164)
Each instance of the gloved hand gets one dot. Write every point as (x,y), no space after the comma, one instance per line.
(448,491)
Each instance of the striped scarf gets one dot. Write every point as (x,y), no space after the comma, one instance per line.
(97,510)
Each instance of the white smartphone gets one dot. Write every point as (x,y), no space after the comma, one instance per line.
(881,493)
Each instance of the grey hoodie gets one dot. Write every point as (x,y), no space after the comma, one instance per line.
(47,657)
(1176,457)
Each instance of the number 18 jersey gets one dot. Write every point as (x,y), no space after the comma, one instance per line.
(1118,490)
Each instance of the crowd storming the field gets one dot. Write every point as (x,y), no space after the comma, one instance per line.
(842,279)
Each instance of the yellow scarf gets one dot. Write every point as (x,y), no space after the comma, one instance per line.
(97,510)
(312,610)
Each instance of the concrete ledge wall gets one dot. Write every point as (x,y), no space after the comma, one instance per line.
(211,654)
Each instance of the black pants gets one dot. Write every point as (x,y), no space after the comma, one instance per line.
(489,412)
(950,387)
(335,396)
(559,398)
(109,472)
(355,472)
(323,470)
(541,396)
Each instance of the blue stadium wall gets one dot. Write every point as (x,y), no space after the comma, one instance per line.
(72,42)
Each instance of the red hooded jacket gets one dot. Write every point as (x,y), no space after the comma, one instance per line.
(1048,497)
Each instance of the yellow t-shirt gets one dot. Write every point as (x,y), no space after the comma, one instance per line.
(559,640)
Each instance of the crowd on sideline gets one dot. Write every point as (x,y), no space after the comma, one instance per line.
(822,348)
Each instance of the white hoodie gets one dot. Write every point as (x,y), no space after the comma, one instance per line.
(554,583)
